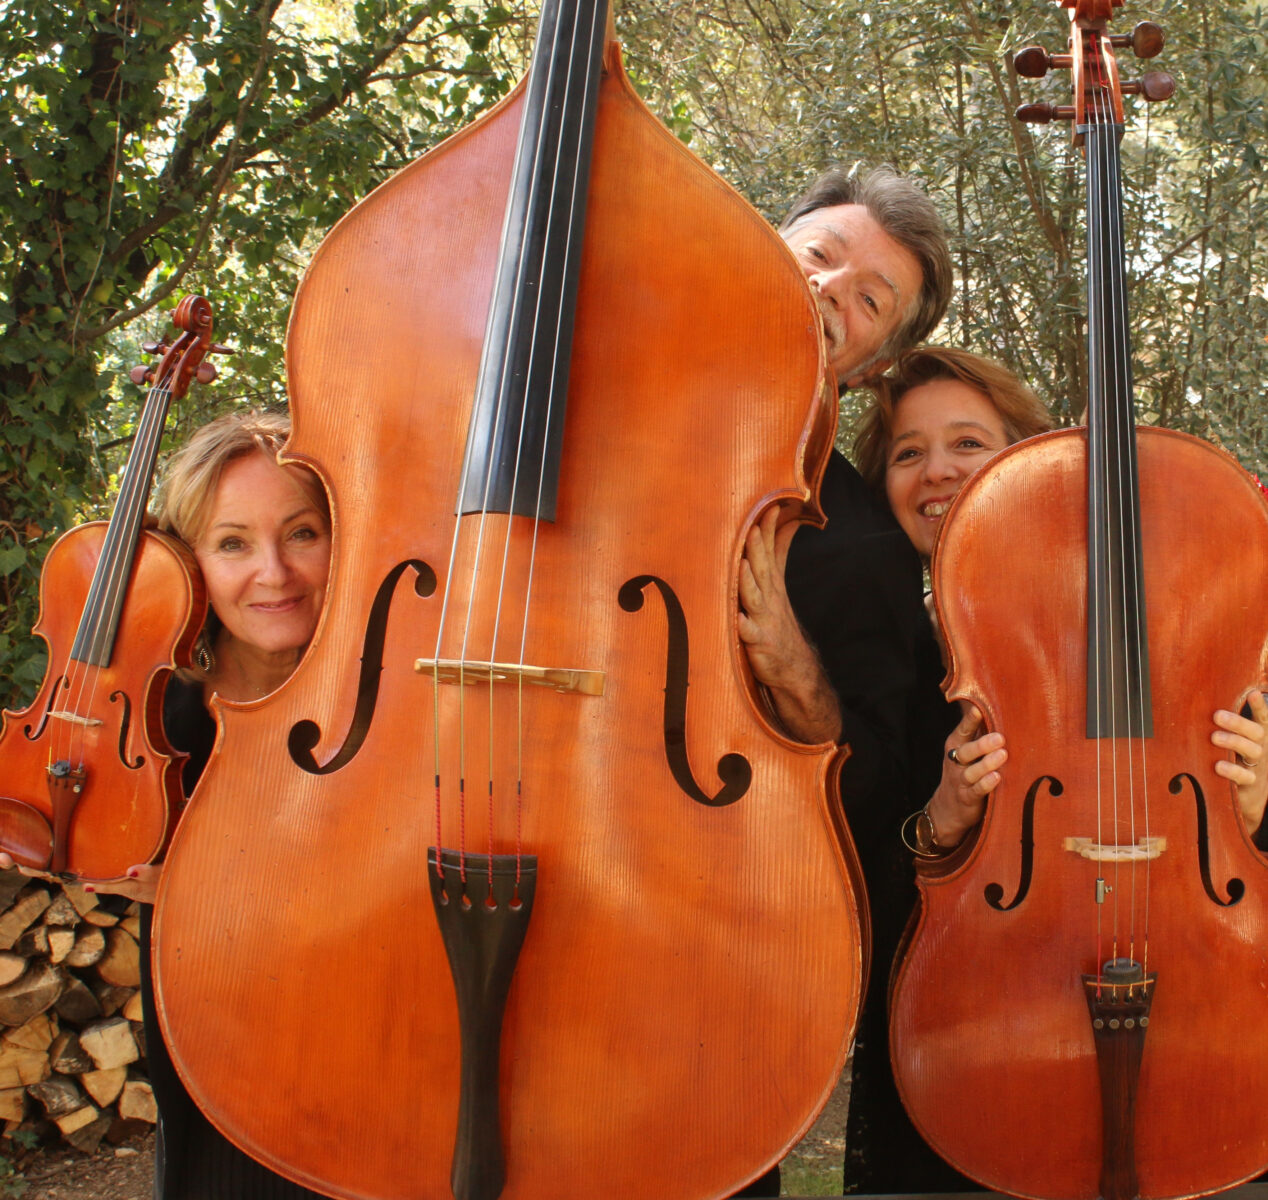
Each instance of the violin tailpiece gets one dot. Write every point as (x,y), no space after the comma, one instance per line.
(483,904)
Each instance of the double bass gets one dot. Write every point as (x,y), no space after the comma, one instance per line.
(513,888)
(1079,1010)
(88,783)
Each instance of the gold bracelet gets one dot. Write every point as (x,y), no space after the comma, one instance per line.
(925,844)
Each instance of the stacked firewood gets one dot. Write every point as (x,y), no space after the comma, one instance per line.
(72,1051)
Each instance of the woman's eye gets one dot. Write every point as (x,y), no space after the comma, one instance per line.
(905,455)
(303,534)
(230,544)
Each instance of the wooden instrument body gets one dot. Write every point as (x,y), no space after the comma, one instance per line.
(132,794)
(686,994)
(991,1036)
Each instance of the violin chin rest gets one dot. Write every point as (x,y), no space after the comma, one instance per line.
(25,834)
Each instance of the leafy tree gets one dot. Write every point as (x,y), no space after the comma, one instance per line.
(198,145)
(778,89)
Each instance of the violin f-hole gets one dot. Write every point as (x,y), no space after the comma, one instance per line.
(32,735)
(305,735)
(735,771)
(994,892)
(1235,887)
(125,725)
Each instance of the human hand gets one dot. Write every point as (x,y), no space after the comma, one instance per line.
(780,654)
(970,773)
(140,883)
(1245,737)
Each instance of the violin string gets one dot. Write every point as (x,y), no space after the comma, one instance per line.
(110,579)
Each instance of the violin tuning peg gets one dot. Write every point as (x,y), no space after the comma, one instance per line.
(139,374)
(1153,85)
(1041,114)
(206,372)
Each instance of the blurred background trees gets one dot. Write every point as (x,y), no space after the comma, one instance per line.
(207,145)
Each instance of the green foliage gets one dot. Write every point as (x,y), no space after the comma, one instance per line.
(782,88)
(200,145)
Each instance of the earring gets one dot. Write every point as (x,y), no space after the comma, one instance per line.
(204,659)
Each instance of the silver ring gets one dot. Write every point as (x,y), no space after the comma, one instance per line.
(951,754)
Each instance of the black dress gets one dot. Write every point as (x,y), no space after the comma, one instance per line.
(193,1160)
(857,588)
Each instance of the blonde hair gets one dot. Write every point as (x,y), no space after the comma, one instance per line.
(1021,411)
(193,472)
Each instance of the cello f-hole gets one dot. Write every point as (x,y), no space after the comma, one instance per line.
(1235,887)
(993,892)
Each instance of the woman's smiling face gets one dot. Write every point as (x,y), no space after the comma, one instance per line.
(943,431)
(265,554)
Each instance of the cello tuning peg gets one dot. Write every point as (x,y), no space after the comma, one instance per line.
(206,372)
(1041,114)
(153,347)
(1146,39)
(217,349)
(1153,85)
(1035,62)
(140,374)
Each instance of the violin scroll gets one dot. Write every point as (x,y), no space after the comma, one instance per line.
(182,360)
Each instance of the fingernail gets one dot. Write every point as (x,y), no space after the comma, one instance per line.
(88,887)
(132,872)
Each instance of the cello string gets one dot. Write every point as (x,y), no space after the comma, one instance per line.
(1120,414)
(1140,806)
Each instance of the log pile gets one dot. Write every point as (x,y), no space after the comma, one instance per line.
(72,1050)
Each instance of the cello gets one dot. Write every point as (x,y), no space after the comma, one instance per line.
(88,783)
(513,885)
(1079,1006)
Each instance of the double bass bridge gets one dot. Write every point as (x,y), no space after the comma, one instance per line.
(559,679)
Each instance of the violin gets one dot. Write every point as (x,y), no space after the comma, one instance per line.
(513,888)
(88,784)
(1076,1011)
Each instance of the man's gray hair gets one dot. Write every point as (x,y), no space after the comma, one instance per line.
(908,216)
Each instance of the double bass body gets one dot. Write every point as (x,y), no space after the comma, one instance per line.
(691,968)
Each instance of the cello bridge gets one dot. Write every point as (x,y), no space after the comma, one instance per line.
(1141,851)
(561,679)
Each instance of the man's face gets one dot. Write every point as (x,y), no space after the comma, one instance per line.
(865,283)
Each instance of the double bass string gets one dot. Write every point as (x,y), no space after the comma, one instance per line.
(555,187)
(591,71)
